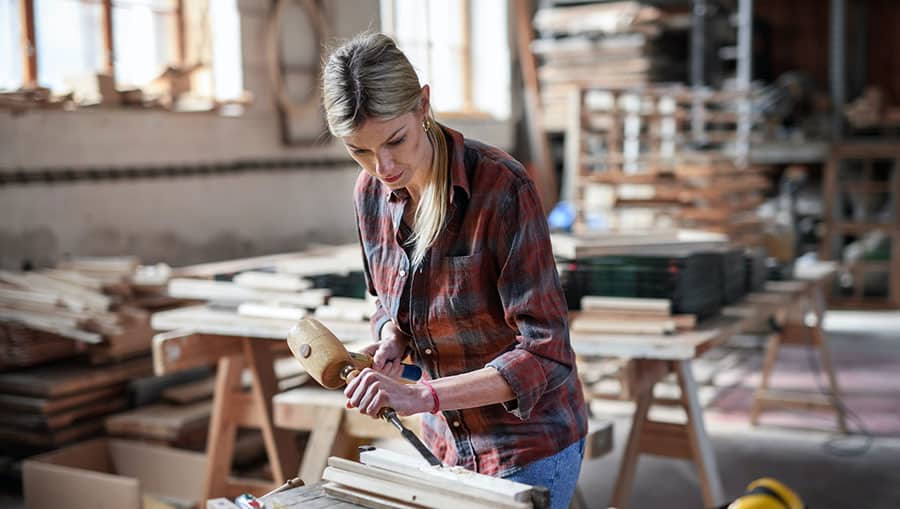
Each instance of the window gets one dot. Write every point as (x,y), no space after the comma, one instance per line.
(11,65)
(71,38)
(147,39)
(459,47)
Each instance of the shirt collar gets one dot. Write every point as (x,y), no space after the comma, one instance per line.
(456,159)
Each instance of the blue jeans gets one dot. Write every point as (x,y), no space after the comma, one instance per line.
(557,473)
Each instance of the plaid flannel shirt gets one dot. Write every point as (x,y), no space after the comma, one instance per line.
(487,294)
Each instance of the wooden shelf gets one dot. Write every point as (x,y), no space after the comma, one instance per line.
(861,182)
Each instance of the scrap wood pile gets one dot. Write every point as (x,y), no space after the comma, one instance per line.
(387,479)
(51,405)
(620,44)
(267,295)
(610,315)
(99,307)
(664,157)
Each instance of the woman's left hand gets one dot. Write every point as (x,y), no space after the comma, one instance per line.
(370,391)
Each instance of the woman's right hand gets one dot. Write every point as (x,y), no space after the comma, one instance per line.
(389,351)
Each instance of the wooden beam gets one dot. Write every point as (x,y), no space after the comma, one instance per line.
(181,31)
(540,148)
(109,65)
(29,47)
(179,350)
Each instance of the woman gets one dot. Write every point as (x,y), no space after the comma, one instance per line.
(457,252)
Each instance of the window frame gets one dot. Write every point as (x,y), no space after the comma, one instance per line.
(468,109)
(30,77)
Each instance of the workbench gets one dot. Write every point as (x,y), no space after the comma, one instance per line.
(203,335)
(312,496)
(650,358)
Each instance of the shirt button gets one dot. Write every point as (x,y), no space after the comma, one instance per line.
(428,351)
(455,424)
(402,273)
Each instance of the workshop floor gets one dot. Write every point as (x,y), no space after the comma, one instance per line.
(794,447)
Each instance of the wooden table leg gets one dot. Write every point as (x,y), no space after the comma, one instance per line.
(234,408)
(280,447)
(702,450)
(768,365)
(627,467)
(323,439)
(817,301)
(222,429)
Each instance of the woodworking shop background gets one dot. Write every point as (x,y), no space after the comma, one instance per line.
(171,202)
(221,186)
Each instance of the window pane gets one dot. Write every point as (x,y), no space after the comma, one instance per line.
(11,65)
(226,49)
(69,40)
(491,67)
(445,26)
(145,34)
(411,23)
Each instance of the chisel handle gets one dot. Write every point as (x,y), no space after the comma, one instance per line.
(410,373)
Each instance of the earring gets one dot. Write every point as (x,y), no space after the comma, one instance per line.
(426,124)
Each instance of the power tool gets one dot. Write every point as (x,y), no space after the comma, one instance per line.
(767,493)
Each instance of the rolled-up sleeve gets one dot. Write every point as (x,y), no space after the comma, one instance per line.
(533,303)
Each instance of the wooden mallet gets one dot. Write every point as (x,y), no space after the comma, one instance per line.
(326,359)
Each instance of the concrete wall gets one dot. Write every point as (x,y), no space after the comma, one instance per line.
(182,220)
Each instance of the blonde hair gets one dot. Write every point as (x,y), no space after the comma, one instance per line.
(369,77)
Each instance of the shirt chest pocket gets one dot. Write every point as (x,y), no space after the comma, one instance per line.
(460,291)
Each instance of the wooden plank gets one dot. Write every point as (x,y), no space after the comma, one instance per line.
(540,147)
(48,406)
(206,320)
(29,44)
(702,452)
(591,302)
(169,423)
(363,498)
(321,443)
(223,291)
(48,439)
(260,310)
(665,439)
(456,477)
(628,465)
(222,428)
(606,326)
(283,457)
(410,490)
(179,350)
(64,418)
(66,379)
(190,392)
(271,281)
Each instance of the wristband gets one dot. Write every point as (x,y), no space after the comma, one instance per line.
(434,396)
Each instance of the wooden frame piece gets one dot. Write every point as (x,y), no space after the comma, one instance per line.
(29,44)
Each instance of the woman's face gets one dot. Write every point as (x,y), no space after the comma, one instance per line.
(396,151)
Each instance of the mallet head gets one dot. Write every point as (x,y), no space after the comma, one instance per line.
(322,354)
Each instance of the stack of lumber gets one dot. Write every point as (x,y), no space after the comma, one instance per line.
(48,406)
(615,44)
(267,295)
(616,315)
(33,98)
(387,479)
(181,416)
(95,306)
(663,157)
